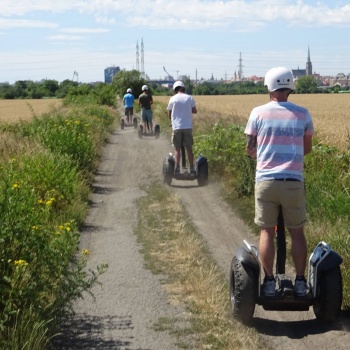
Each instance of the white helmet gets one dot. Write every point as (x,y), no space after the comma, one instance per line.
(177,84)
(144,87)
(279,78)
(129,90)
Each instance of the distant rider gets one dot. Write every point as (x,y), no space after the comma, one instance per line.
(145,102)
(180,109)
(128,101)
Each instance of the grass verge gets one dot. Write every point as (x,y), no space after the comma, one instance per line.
(173,248)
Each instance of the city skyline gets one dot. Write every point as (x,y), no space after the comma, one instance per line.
(52,40)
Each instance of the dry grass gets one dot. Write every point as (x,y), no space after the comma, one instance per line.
(173,247)
(330,112)
(13,111)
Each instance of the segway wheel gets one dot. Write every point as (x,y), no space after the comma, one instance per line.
(140,131)
(122,123)
(134,122)
(329,295)
(157,131)
(168,171)
(244,284)
(202,176)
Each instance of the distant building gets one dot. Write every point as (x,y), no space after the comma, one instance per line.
(110,72)
(304,72)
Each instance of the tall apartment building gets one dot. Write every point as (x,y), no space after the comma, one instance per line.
(110,72)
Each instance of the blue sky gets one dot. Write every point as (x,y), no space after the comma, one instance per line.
(51,39)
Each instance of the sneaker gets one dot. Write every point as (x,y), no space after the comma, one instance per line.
(177,170)
(300,287)
(192,171)
(269,287)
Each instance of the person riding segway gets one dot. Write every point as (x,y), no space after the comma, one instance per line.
(279,134)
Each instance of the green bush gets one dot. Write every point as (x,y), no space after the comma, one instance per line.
(43,200)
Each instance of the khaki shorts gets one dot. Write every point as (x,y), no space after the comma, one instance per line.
(182,137)
(270,195)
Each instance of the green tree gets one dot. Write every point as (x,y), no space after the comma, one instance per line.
(132,79)
(50,87)
(64,87)
(306,84)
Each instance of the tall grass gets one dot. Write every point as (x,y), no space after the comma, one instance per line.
(327,174)
(46,168)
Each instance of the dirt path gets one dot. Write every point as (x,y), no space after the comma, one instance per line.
(131,299)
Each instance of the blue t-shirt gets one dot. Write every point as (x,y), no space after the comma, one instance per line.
(128,100)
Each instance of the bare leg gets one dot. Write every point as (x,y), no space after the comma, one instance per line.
(177,157)
(190,156)
(151,126)
(299,249)
(267,249)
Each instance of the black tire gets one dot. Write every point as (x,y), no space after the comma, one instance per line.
(202,176)
(140,131)
(244,284)
(157,131)
(134,123)
(329,296)
(168,171)
(122,124)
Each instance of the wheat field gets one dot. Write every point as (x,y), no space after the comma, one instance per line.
(330,112)
(12,111)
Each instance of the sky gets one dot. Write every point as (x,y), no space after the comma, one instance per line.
(52,39)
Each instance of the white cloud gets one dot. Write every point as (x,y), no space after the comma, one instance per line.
(195,14)
(24,23)
(65,37)
(84,30)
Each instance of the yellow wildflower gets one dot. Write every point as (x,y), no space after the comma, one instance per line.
(20,263)
(85,252)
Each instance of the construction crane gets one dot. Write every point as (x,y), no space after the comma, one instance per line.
(169,77)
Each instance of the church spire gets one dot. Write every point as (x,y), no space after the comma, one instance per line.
(308,63)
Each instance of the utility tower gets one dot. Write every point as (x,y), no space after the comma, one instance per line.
(137,56)
(142,59)
(240,67)
(75,74)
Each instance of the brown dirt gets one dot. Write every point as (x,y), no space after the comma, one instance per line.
(131,299)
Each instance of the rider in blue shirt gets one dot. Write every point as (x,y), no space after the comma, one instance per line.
(128,101)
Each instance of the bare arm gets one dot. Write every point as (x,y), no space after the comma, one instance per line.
(251,146)
(194,110)
(169,114)
(307,144)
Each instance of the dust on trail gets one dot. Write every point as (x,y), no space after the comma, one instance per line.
(131,298)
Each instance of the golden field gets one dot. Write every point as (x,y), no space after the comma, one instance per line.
(12,111)
(330,112)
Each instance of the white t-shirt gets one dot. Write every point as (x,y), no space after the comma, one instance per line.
(181,106)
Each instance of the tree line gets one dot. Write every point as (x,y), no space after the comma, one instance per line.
(134,79)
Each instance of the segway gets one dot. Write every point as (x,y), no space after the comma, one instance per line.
(151,133)
(324,282)
(123,123)
(201,169)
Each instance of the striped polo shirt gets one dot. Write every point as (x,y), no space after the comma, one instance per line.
(280,128)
